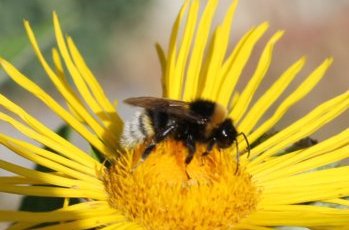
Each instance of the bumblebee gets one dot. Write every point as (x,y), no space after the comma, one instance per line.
(199,121)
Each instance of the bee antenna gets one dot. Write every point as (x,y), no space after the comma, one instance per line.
(248,143)
(237,150)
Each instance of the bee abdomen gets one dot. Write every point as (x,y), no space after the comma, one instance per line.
(137,130)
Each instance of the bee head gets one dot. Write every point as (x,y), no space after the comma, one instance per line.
(225,134)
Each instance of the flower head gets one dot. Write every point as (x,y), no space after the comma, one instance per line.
(206,193)
(270,184)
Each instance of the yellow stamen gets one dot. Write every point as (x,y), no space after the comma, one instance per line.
(164,189)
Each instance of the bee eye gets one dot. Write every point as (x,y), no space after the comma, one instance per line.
(225,134)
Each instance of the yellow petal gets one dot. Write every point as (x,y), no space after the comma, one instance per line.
(44,135)
(294,97)
(162,59)
(109,116)
(49,159)
(47,178)
(269,169)
(302,128)
(250,90)
(178,78)
(199,44)
(270,96)
(237,63)
(217,53)
(24,82)
(47,191)
(172,54)
(77,211)
(301,215)
(84,91)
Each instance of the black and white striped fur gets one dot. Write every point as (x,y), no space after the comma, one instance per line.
(137,130)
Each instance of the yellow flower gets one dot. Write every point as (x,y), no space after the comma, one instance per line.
(274,186)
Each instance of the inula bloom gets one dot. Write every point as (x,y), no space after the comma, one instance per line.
(279,183)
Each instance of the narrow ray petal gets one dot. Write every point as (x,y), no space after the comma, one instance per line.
(81,85)
(162,59)
(21,80)
(48,178)
(60,83)
(251,227)
(87,223)
(123,226)
(163,62)
(77,211)
(270,96)
(178,77)
(45,135)
(303,127)
(18,180)
(172,53)
(305,187)
(218,52)
(57,62)
(50,144)
(282,162)
(48,159)
(202,35)
(306,166)
(262,68)
(306,86)
(300,215)
(48,191)
(232,67)
(93,84)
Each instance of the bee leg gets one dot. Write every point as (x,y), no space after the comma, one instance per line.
(190,144)
(159,136)
(237,158)
(148,150)
(210,145)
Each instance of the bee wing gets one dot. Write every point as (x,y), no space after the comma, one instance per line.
(176,108)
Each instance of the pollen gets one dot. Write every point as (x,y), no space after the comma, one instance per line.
(163,192)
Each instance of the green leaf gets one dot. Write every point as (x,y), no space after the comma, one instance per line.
(96,154)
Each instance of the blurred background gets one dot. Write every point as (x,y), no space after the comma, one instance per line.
(117,41)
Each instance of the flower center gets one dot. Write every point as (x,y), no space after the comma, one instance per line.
(163,192)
